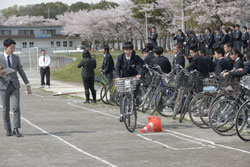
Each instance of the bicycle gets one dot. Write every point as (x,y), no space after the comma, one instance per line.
(126,88)
(243,115)
(100,82)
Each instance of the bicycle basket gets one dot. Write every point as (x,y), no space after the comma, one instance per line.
(184,79)
(245,82)
(126,84)
(210,84)
(169,80)
(230,88)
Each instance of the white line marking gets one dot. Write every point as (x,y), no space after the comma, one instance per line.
(195,138)
(38,95)
(164,145)
(67,143)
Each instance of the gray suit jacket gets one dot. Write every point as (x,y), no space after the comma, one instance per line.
(16,65)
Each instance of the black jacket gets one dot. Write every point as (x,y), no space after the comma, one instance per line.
(245,38)
(163,62)
(225,39)
(210,64)
(148,59)
(180,39)
(179,59)
(245,71)
(237,35)
(108,64)
(88,65)
(221,65)
(192,41)
(209,40)
(199,63)
(125,69)
(230,62)
(217,39)
(238,64)
(153,39)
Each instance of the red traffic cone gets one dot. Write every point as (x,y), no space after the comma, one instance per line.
(154,124)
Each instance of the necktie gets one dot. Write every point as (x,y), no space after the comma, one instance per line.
(128,60)
(9,63)
(43,58)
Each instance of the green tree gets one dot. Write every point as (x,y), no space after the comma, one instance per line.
(80,6)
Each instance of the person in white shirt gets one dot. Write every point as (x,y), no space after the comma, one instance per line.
(44,63)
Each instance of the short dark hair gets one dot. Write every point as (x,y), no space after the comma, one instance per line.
(43,50)
(145,50)
(105,47)
(207,28)
(128,45)
(219,50)
(236,51)
(158,50)
(180,30)
(237,25)
(202,51)
(245,27)
(150,46)
(86,54)
(8,42)
(229,45)
(154,27)
(194,48)
(177,45)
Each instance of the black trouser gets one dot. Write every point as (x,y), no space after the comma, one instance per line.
(109,76)
(45,72)
(88,83)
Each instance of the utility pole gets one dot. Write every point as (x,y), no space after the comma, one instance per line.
(91,6)
(146,23)
(48,11)
(183,24)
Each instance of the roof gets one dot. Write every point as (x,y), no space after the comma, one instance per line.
(31,26)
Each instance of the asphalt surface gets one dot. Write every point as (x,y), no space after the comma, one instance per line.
(62,131)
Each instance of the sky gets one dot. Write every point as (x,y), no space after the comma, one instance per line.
(9,3)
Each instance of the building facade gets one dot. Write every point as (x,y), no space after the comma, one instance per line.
(50,38)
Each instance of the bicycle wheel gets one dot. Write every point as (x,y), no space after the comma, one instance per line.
(110,94)
(185,107)
(147,101)
(193,110)
(98,87)
(103,94)
(179,103)
(243,122)
(204,106)
(129,113)
(162,105)
(222,117)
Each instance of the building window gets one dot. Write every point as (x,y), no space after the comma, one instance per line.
(31,44)
(5,32)
(58,43)
(70,43)
(26,32)
(24,44)
(50,31)
(52,44)
(65,44)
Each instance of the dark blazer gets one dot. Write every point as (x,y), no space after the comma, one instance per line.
(245,71)
(225,39)
(199,63)
(209,40)
(179,59)
(125,69)
(153,39)
(210,64)
(230,62)
(221,65)
(148,59)
(88,65)
(217,39)
(245,38)
(163,62)
(238,64)
(180,39)
(108,64)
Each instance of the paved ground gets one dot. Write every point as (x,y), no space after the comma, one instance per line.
(62,131)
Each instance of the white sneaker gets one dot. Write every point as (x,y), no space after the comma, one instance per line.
(48,86)
(42,86)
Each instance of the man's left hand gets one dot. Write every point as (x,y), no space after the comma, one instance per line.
(138,76)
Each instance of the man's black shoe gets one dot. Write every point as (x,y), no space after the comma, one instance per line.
(17,133)
(86,102)
(8,133)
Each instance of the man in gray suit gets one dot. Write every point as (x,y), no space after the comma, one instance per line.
(10,87)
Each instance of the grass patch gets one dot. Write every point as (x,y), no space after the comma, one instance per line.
(71,73)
